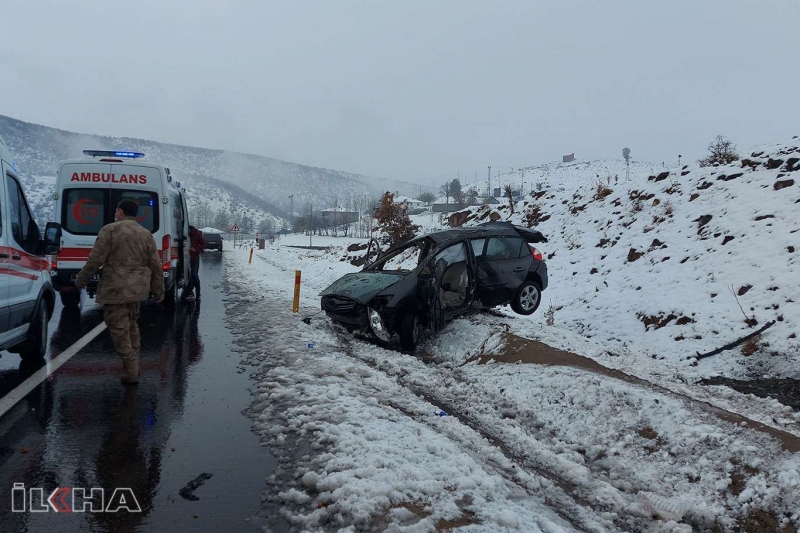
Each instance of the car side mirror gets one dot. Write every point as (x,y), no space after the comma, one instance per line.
(52,238)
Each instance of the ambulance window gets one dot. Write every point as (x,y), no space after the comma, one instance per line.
(23,228)
(176,207)
(84,211)
(148,206)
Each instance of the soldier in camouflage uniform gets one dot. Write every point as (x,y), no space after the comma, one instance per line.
(131,271)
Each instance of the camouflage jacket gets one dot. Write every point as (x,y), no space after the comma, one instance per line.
(131,266)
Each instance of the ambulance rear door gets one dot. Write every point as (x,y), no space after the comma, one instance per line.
(84,206)
(144,184)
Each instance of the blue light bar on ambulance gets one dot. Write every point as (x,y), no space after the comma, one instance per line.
(111,153)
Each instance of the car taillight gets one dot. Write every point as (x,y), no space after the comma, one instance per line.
(166,246)
(536,254)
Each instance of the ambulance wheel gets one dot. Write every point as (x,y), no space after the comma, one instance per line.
(70,299)
(170,297)
(35,347)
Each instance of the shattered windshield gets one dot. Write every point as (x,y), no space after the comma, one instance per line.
(403,259)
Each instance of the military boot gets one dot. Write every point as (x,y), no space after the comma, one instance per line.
(131,368)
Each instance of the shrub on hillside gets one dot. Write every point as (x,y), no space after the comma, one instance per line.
(602,190)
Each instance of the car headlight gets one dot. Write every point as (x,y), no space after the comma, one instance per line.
(376,324)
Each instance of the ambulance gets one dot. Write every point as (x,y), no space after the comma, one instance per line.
(88,192)
(27,299)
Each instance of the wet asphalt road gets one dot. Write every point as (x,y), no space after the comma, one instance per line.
(82,428)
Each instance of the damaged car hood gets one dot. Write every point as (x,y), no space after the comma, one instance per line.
(362,286)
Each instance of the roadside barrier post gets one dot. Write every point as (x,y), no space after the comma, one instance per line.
(296,302)
(251,256)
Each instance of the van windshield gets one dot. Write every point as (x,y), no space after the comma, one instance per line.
(86,211)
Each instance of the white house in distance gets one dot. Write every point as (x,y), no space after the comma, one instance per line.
(412,202)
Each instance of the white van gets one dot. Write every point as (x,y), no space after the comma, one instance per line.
(88,191)
(27,298)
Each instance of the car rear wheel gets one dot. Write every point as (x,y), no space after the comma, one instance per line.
(36,345)
(409,331)
(527,299)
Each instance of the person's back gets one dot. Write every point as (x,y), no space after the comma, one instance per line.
(128,270)
(196,246)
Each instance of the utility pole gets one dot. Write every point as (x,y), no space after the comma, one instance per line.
(291,214)
(522,192)
(311,223)
(489,183)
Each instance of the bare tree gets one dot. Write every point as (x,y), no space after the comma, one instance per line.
(471,196)
(446,190)
(509,190)
(721,152)
(426,197)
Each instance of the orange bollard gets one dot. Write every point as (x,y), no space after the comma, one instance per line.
(296,302)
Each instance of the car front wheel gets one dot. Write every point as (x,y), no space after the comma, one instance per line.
(527,299)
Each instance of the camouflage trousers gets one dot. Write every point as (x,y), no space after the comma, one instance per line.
(123,325)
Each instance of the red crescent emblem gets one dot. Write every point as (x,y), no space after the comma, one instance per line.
(77,208)
(141,218)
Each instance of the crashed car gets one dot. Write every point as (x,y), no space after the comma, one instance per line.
(422,283)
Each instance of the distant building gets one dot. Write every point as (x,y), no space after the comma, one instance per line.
(412,202)
(569,158)
(337,216)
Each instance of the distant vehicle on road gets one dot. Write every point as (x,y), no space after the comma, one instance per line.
(213,242)
(429,280)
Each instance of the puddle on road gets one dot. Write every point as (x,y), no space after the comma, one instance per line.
(519,350)
(786,391)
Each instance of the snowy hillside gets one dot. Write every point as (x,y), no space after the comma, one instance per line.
(39,149)
(660,265)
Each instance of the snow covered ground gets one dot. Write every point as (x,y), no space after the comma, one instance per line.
(665,269)
(524,448)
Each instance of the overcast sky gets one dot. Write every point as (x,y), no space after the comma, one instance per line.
(413,90)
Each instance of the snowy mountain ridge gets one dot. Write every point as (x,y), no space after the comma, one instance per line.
(39,149)
(674,262)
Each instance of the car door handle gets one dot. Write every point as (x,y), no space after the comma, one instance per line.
(15,257)
(3,256)
(520,269)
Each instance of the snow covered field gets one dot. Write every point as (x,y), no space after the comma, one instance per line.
(524,448)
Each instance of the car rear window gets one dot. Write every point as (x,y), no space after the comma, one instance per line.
(505,248)
(212,237)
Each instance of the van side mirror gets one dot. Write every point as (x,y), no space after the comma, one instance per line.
(52,238)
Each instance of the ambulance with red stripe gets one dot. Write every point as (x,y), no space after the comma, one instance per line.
(88,191)
(26,295)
